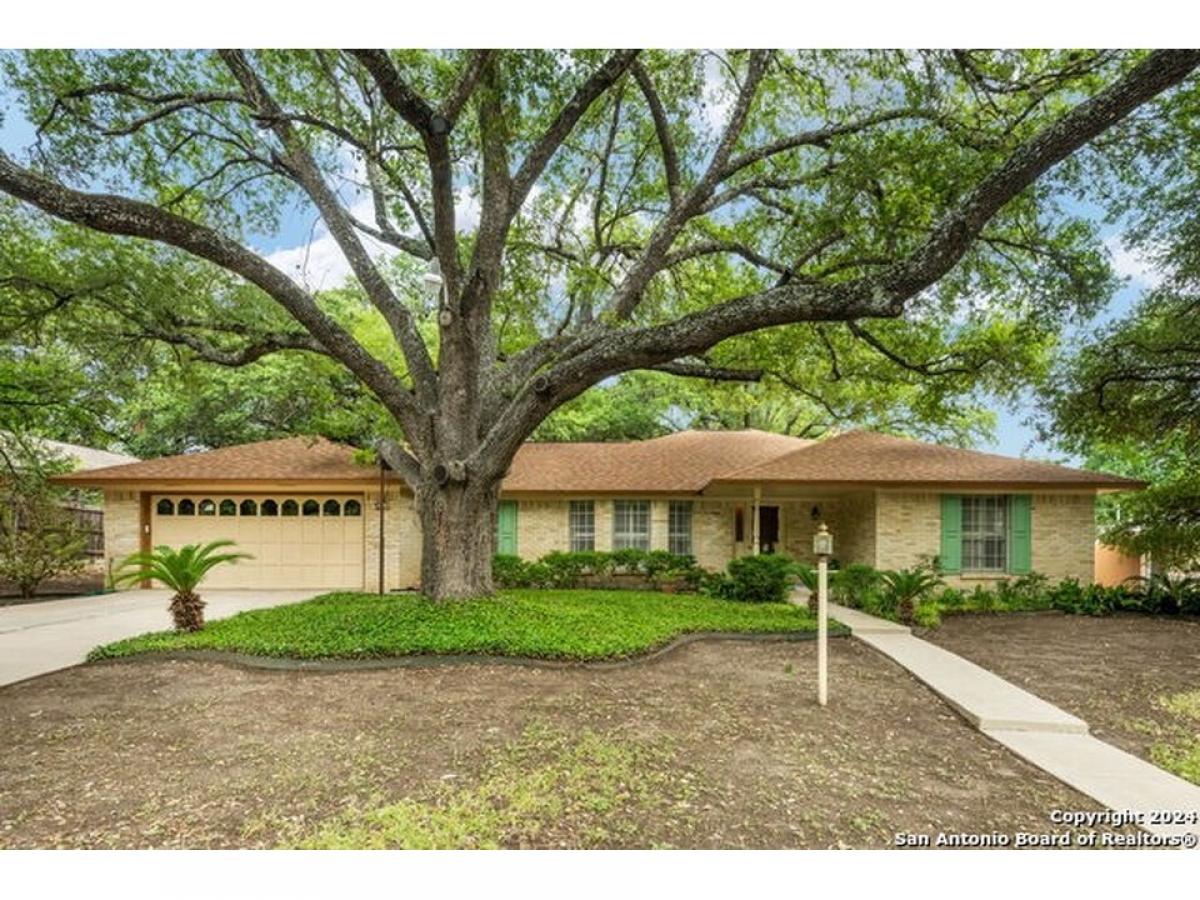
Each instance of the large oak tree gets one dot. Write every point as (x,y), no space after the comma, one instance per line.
(589,213)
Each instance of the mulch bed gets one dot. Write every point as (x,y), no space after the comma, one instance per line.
(198,754)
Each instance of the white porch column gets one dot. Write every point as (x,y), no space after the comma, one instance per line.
(754,508)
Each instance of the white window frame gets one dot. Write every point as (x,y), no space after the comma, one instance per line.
(679,533)
(629,517)
(581,525)
(989,523)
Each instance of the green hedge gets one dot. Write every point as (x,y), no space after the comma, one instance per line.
(766,578)
(562,569)
(865,589)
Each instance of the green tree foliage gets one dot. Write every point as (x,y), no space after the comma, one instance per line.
(39,539)
(1129,401)
(591,214)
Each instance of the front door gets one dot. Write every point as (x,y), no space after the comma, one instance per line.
(506,528)
(768,528)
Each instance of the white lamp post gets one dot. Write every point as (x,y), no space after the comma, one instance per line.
(823,548)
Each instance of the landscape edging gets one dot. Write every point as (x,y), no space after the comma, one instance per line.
(432,660)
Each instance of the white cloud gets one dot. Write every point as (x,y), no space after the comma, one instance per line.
(718,96)
(319,263)
(1128,263)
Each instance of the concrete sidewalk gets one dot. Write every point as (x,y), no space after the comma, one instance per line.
(36,638)
(1037,731)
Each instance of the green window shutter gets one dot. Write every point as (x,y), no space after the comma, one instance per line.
(950,557)
(506,528)
(1020,535)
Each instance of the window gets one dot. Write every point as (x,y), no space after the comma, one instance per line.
(739,525)
(187,507)
(984,533)
(269,508)
(352,508)
(312,508)
(332,508)
(249,508)
(166,507)
(631,524)
(228,508)
(679,527)
(291,508)
(207,507)
(581,522)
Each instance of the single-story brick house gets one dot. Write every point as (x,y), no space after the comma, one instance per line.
(312,517)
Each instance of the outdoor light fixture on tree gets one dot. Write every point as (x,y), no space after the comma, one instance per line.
(823,548)
(612,227)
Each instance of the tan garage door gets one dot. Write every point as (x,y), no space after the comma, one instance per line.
(297,540)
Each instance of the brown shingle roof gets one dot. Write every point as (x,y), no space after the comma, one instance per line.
(286,459)
(685,461)
(880,459)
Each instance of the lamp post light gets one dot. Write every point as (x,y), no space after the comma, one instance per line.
(823,548)
(432,284)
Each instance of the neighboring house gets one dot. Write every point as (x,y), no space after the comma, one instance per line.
(312,518)
(86,509)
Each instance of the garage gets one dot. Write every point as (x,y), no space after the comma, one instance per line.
(297,540)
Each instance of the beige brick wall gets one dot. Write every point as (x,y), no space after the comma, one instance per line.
(122,524)
(908,526)
(1064,536)
(402,544)
(542,526)
(851,520)
(712,533)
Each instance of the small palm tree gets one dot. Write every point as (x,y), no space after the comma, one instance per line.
(180,570)
(905,587)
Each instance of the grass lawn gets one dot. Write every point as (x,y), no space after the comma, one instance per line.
(571,625)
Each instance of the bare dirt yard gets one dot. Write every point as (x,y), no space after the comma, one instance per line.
(715,745)
(1134,679)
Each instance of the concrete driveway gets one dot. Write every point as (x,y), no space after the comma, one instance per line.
(36,638)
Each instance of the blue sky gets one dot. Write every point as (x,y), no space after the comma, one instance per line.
(298,243)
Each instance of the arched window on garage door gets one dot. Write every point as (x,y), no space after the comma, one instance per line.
(165,507)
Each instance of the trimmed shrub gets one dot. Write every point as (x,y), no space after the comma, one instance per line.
(849,586)
(766,578)
(561,569)
(510,571)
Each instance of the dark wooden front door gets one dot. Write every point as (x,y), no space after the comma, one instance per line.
(768,528)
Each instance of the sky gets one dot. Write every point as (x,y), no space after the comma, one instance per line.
(303,248)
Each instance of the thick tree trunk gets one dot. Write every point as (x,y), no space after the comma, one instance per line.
(458,524)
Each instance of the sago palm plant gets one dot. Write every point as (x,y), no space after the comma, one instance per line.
(903,588)
(180,570)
